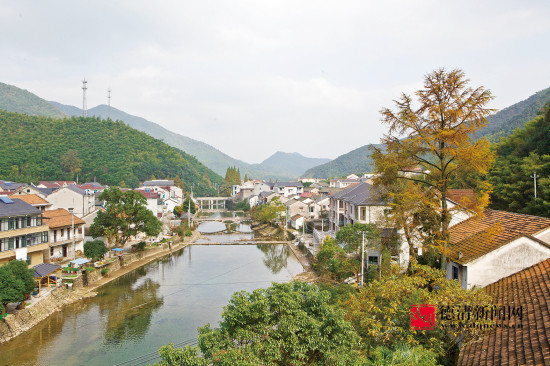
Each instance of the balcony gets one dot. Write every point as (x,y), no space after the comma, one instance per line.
(63,241)
(23,231)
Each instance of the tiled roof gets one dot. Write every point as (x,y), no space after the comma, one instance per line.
(17,208)
(296,217)
(478,236)
(60,218)
(160,183)
(148,194)
(10,186)
(360,194)
(464,197)
(528,345)
(55,183)
(31,199)
(44,269)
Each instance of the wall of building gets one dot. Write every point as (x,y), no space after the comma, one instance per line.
(505,261)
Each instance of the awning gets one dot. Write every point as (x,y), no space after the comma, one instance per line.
(117,249)
(80,261)
(44,269)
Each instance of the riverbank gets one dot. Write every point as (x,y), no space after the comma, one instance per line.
(25,319)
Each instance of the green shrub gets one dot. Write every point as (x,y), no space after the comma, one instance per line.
(104,271)
(188,232)
(141,245)
(90,269)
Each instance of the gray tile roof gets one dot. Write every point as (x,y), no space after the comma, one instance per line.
(360,194)
(10,186)
(74,188)
(160,183)
(17,208)
(45,269)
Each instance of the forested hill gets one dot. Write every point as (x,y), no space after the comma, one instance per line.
(13,99)
(207,154)
(39,148)
(519,156)
(356,161)
(504,122)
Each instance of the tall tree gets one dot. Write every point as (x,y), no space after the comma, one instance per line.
(126,215)
(438,137)
(71,162)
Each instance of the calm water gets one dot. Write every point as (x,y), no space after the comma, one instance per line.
(160,303)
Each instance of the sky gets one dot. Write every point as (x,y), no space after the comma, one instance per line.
(255,77)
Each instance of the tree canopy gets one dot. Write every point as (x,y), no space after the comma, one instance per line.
(16,281)
(432,144)
(285,324)
(519,157)
(126,215)
(95,249)
(38,148)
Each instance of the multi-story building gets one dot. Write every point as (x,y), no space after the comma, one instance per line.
(359,203)
(66,234)
(23,235)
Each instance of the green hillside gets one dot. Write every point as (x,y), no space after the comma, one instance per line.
(207,154)
(39,148)
(519,156)
(504,122)
(13,99)
(356,161)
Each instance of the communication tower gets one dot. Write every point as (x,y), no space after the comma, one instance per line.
(84,107)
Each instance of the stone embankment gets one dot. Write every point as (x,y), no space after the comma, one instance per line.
(27,318)
(23,320)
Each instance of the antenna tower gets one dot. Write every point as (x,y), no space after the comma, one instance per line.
(84,106)
(109,101)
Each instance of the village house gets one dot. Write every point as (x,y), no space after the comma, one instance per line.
(288,189)
(8,187)
(92,188)
(359,203)
(66,234)
(154,202)
(34,200)
(167,185)
(522,326)
(30,189)
(342,183)
(23,235)
(297,221)
(484,249)
(72,197)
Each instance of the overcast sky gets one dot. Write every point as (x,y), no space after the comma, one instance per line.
(254,77)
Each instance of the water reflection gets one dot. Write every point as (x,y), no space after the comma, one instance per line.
(129,317)
(276,256)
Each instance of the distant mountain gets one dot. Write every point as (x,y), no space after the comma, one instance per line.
(504,122)
(14,99)
(356,161)
(289,164)
(39,148)
(208,155)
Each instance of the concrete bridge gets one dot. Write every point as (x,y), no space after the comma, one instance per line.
(221,219)
(211,203)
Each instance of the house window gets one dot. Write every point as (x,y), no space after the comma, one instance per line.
(45,237)
(455,273)
(51,252)
(62,232)
(373,259)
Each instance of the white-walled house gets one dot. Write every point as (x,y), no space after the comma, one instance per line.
(288,189)
(66,234)
(73,197)
(485,249)
(297,221)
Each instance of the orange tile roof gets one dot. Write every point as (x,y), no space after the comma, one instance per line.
(528,345)
(464,197)
(60,218)
(478,236)
(31,199)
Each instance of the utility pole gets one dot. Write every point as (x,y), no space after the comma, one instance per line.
(84,106)
(72,226)
(534,176)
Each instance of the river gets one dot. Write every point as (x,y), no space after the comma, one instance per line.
(160,303)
